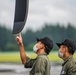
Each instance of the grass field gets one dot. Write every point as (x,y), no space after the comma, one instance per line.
(15,56)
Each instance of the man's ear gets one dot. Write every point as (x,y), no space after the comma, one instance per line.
(66,49)
(43,46)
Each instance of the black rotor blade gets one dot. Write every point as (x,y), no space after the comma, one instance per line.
(21,12)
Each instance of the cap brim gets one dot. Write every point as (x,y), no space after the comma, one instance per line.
(59,44)
(37,39)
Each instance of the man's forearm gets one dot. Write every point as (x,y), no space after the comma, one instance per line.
(22,54)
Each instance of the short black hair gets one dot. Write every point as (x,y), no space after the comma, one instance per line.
(71,51)
(47,50)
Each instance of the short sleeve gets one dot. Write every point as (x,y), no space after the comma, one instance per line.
(29,62)
(39,67)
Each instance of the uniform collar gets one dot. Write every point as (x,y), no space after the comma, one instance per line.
(70,57)
(42,54)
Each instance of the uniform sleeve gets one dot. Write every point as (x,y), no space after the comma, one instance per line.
(72,74)
(29,62)
(72,68)
(39,67)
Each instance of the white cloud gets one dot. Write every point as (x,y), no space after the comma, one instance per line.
(40,11)
(7,12)
(55,14)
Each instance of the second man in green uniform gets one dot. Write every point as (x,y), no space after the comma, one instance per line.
(66,51)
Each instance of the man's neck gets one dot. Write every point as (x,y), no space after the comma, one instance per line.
(66,56)
(40,52)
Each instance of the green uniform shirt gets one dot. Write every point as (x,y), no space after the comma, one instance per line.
(40,65)
(69,66)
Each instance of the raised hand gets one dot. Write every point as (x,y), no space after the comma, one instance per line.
(19,39)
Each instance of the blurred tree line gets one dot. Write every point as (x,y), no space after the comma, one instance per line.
(56,32)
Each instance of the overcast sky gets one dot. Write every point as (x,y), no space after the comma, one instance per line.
(40,12)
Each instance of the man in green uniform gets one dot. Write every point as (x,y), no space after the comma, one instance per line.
(41,64)
(66,51)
